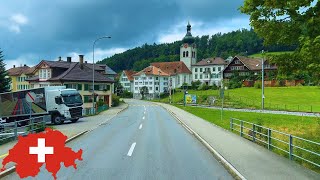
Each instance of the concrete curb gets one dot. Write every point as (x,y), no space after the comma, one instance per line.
(230,168)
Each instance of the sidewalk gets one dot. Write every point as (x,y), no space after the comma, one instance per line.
(250,159)
(72,129)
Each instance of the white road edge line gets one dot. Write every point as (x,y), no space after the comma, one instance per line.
(131,149)
(140,127)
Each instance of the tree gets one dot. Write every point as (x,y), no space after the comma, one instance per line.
(289,22)
(143,91)
(4,79)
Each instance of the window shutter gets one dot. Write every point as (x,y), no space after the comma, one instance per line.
(80,87)
(108,87)
(86,87)
(96,87)
(67,85)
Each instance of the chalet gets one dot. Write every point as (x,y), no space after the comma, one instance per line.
(18,77)
(245,65)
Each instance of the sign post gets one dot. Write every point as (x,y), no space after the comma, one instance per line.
(222,97)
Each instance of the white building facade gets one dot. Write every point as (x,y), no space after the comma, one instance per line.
(209,71)
(152,78)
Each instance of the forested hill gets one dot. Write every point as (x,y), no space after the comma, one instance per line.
(243,42)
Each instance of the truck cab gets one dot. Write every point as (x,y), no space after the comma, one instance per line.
(64,104)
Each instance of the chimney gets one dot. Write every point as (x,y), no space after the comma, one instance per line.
(59,58)
(14,66)
(81,61)
(69,59)
(24,65)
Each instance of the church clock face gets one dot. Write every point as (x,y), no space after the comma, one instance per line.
(185,45)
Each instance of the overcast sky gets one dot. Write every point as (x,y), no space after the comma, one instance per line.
(32,30)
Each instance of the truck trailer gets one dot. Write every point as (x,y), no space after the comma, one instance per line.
(61,103)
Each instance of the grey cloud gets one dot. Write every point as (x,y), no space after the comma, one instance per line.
(59,27)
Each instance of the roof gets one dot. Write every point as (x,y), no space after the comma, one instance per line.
(250,63)
(17,71)
(129,74)
(76,73)
(172,68)
(56,64)
(109,71)
(151,70)
(211,61)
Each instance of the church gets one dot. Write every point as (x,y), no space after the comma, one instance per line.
(160,77)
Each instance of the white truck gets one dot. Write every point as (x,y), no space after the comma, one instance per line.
(61,103)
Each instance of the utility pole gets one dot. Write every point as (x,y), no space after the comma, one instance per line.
(262,81)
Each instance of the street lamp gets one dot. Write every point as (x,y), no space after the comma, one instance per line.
(103,37)
(262,80)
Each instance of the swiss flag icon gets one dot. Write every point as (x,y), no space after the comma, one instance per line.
(34,150)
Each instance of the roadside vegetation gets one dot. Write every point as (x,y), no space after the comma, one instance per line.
(298,98)
(301,126)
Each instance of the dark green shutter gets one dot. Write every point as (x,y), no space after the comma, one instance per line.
(86,87)
(80,87)
(96,87)
(67,85)
(108,87)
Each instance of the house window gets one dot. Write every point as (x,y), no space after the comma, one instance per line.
(200,69)
(213,69)
(45,73)
(184,79)
(187,54)
(200,76)
(157,88)
(136,78)
(195,69)
(150,88)
(184,54)
(237,62)
(136,88)
(219,69)
(157,78)
(150,78)
(196,76)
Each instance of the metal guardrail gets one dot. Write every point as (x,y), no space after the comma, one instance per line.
(286,143)
(11,131)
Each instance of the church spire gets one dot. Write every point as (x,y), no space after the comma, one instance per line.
(188,37)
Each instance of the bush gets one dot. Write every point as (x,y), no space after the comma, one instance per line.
(234,85)
(203,86)
(214,87)
(126,94)
(164,95)
(258,84)
(115,100)
(100,103)
(195,84)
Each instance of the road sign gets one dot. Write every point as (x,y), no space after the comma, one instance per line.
(30,97)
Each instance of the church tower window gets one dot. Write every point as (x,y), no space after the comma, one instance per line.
(187,54)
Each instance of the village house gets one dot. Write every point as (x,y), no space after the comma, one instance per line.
(18,77)
(126,80)
(152,78)
(209,71)
(246,66)
(76,75)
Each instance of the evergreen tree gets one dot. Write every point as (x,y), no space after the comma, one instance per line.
(4,80)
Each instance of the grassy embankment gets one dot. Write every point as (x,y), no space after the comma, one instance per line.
(299,98)
(305,127)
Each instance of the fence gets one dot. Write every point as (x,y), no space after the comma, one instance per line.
(91,111)
(295,148)
(11,131)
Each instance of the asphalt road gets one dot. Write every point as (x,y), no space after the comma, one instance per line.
(143,142)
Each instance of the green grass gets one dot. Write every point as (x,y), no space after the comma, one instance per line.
(299,98)
(260,55)
(305,127)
